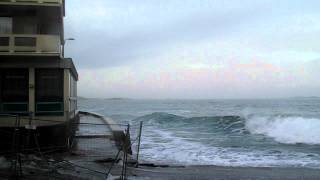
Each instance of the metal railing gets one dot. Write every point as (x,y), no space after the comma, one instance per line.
(89,147)
(13,44)
(33,1)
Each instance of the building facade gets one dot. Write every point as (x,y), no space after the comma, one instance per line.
(38,86)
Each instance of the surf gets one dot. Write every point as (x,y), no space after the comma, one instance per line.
(288,130)
(281,128)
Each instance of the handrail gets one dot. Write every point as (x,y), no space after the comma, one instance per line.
(30,43)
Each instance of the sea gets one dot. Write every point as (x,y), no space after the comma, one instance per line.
(221,132)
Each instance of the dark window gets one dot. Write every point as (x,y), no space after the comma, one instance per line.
(24,25)
(15,85)
(4,41)
(25,41)
(49,91)
(49,85)
(14,90)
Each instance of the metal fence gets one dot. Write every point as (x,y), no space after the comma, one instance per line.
(94,151)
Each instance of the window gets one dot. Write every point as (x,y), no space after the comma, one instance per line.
(25,25)
(4,41)
(5,25)
(25,41)
(14,90)
(49,91)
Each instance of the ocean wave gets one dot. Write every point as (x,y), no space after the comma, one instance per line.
(160,117)
(282,128)
(286,129)
(164,147)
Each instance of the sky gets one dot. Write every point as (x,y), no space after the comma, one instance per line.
(195,49)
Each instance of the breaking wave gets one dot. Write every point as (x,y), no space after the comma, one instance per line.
(229,140)
(283,129)
(289,130)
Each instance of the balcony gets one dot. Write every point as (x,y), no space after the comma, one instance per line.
(40,2)
(33,45)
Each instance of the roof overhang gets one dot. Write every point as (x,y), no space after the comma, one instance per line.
(38,62)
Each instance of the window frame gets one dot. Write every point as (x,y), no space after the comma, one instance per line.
(49,106)
(11,105)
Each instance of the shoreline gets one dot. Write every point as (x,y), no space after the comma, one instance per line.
(181,172)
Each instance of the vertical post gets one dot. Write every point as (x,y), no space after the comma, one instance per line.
(16,148)
(32,91)
(68,130)
(62,48)
(29,130)
(11,43)
(139,141)
(14,135)
(125,150)
(66,90)
(19,146)
(128,145)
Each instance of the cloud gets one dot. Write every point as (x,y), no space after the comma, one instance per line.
(246,80)
(99,46)
(188,48)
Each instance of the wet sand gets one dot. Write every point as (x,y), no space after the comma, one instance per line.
(184,173)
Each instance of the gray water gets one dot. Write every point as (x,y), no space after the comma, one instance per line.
(274,132)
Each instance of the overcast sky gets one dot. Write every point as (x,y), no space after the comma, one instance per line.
(195,48)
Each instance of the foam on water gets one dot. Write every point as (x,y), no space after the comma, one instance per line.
(175,139)
(289,130)
(282,133)
(164,147)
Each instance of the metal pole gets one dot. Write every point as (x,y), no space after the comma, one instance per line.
(63,43)
(14,148)
(29,130)
(125,155)
(18,156)
(139,141)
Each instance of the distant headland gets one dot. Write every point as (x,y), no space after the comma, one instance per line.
(114,99)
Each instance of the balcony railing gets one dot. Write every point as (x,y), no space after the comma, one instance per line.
(59,2)
(15,44)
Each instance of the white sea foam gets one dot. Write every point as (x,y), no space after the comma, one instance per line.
(165,147)
(289,130)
